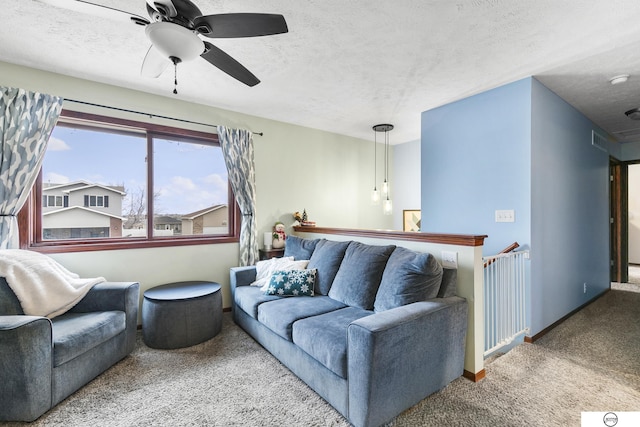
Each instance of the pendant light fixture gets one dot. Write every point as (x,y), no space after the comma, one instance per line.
(387,205)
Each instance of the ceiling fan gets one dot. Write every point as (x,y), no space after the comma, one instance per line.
(175,27)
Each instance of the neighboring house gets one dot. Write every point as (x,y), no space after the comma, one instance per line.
(81,209)
(171,224)
(211,220)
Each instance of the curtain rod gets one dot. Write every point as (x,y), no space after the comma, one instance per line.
(147,114)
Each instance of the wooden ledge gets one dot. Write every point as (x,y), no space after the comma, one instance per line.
(448,239)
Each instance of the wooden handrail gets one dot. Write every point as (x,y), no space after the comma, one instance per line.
(511,247)
(449,239)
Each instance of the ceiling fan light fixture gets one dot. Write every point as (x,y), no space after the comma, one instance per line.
(633,114)
(175,41)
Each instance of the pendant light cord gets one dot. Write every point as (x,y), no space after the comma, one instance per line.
(386,159)
(375,159)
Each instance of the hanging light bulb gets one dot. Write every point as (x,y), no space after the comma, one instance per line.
(375,197)
(387,206)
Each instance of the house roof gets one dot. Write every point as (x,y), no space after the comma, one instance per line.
(346,66)
(83,185)
(166,219)
(194,215)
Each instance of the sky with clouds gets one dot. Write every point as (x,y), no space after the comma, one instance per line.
(187,177)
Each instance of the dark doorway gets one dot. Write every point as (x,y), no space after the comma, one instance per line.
(619,235)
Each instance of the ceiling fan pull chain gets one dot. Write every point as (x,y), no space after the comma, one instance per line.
(175,61)
(175,78)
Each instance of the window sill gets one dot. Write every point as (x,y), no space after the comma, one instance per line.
(90,246)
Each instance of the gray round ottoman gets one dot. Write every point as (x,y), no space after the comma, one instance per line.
(181,314)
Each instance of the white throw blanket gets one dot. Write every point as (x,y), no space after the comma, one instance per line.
(43,287)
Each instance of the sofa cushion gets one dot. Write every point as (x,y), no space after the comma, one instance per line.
(359,275)
(448,287)
(327,258)
(248,298)
(265,268)
(296,283)
(408,277)
(324,337)
(76,333)
(280,315)
(299,248)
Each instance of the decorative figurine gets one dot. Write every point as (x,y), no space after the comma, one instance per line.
(278,235)
(301,219)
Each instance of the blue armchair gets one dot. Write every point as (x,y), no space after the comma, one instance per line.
(43,361)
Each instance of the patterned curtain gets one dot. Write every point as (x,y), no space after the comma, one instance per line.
(26,121)
(237,150)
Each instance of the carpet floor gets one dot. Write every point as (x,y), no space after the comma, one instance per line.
(588,363)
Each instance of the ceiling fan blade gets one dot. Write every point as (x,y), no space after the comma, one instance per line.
(218,58)
(97,10)
(154,63)
(230,25)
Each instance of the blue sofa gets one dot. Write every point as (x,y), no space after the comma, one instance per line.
(382,331)
(43,361)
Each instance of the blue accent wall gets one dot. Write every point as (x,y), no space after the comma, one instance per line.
(570,210)
(522,147)
(476,160)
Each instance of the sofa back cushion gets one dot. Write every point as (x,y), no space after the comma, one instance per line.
(299,248)
(327,258)
(359,275)
(9,304)
(408,277)
(449,286)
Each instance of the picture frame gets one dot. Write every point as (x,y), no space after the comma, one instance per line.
(411,220)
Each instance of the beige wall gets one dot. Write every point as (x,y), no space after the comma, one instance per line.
(297,168)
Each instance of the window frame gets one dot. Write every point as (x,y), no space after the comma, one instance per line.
(30,216)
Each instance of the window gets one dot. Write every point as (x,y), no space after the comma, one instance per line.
(102,201)
(151,186)
(55,201)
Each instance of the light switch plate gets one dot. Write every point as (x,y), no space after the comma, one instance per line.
(507,215)
(449,259)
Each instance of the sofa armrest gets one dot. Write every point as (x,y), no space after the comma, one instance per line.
(242,276)
(26,345)
(398,357)
(108,296)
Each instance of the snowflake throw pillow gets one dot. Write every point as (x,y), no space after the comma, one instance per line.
(292,283)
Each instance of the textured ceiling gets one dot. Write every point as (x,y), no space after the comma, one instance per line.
(347,65)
